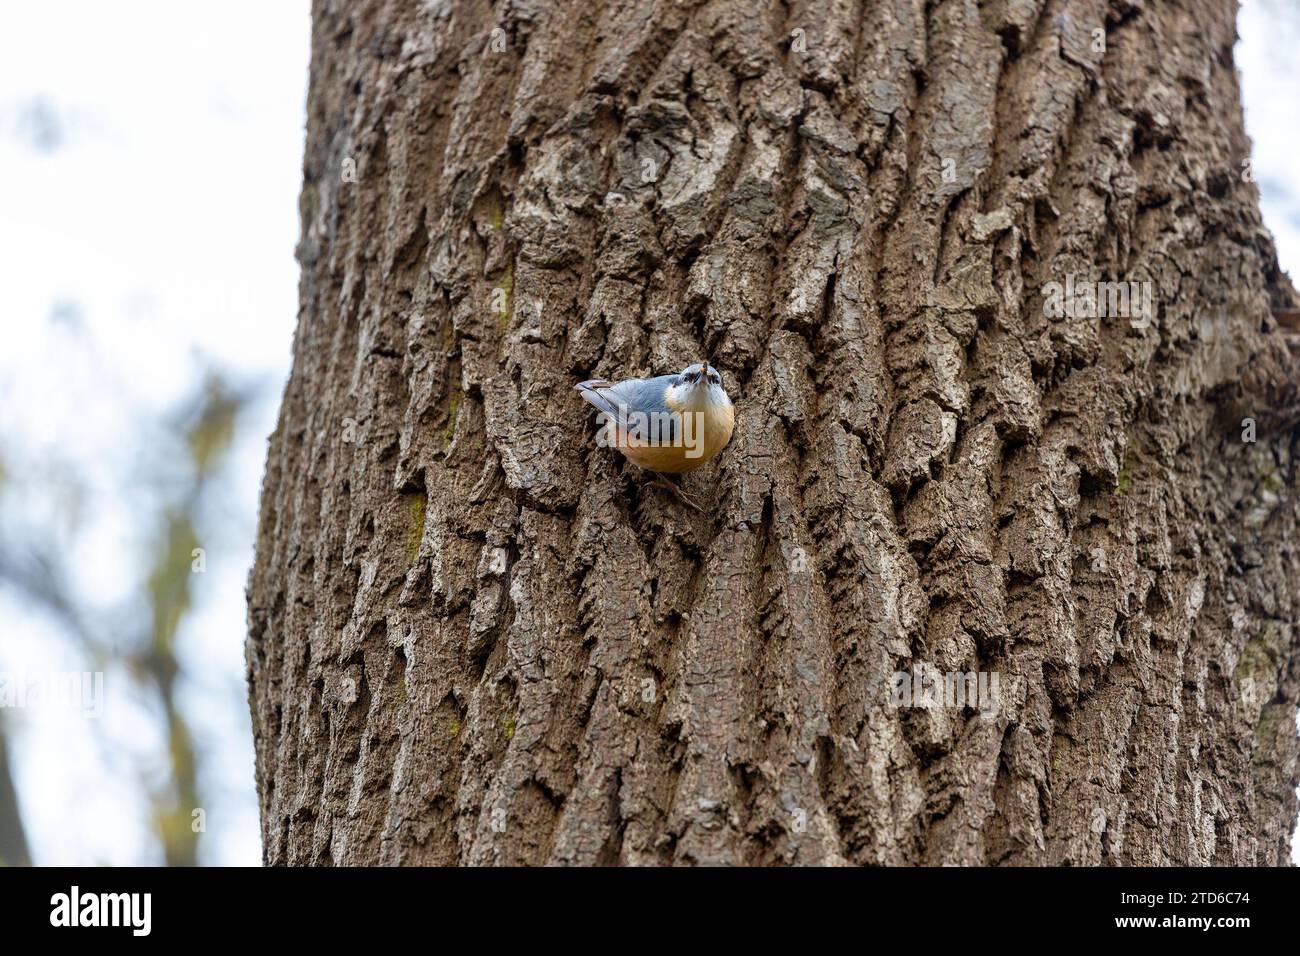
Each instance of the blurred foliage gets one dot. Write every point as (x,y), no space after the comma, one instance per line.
(39,570)
(208,436)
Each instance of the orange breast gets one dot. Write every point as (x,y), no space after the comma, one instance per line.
(711,434)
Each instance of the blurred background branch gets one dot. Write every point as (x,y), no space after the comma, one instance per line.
(39,568)
(13,841)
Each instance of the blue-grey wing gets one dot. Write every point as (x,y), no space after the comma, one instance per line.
(639,400)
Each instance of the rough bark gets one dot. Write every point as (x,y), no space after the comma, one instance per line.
(476,639)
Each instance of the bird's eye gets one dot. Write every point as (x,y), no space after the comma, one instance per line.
(714,379)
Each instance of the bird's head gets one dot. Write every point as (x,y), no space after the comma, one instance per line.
(701,384)
(700,375)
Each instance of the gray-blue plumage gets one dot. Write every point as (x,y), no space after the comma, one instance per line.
(643,395)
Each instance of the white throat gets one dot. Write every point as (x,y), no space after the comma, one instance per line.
(695,399)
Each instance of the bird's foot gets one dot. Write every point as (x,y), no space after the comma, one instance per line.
(677,493)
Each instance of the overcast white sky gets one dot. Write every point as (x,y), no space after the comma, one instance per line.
(151,158)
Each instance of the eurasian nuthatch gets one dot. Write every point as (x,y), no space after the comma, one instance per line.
(668,424)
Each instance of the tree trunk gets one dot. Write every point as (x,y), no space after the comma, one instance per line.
(476,638)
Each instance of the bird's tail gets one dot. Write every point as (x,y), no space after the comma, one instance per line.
(593,390)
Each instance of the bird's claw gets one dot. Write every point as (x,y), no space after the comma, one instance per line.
(677,493)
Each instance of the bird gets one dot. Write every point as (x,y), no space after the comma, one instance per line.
(668,424)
